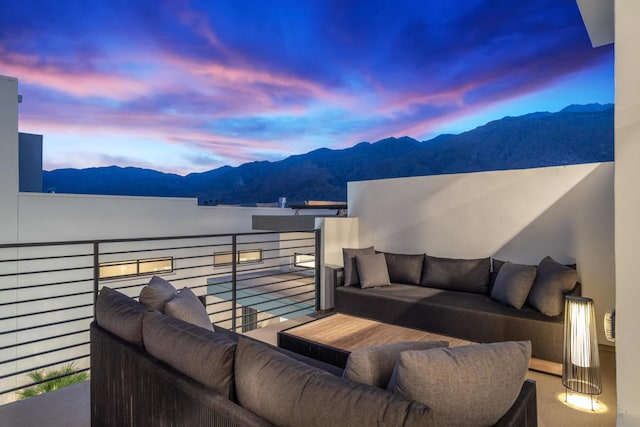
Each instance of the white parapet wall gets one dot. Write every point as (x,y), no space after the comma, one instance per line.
(522,216)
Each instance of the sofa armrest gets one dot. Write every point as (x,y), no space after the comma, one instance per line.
(334,275)
(524,411)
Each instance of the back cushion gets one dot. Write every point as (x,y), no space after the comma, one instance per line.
(120,315)
(553,281)
(157,294)
(203,355)
(465,275)
(403,268)
(464,386)
(286,392)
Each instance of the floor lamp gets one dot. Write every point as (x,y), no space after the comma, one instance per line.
(581,365)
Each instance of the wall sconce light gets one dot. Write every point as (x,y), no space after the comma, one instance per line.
(581,367)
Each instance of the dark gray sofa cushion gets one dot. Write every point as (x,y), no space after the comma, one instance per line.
(203,355)
(120,315)
(513,284)
(186,306)
(372,271)
(404,268)
(464,386)
(465,275)
(157,293)
(552,283)
(374,365)
(286,392)
(350,267)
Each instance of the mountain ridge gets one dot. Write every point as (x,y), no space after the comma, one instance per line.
(575,134)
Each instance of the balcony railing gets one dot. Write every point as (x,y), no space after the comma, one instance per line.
(48,290)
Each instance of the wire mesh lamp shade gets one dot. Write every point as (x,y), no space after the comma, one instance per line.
(581,366)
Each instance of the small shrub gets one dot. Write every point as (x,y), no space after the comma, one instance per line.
(53,384)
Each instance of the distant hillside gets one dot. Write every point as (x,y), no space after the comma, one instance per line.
(577,134)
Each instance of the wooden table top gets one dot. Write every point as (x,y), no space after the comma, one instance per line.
(349,333)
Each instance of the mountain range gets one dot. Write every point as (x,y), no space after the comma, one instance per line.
(576,134)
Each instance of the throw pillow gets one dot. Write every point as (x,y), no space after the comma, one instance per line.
(404,268)
(186,306)
(157,293)
(203,355)
(350,268)
(374,365)
(513,284)
(465,386)
(286,392)
(465,275)
(553,281)
(372,270)
(120,315)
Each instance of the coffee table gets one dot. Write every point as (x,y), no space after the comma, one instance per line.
(332,338)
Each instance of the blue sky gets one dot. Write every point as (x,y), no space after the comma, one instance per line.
(191,85)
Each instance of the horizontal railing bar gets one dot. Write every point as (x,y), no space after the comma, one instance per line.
(43,381)
(24,301)
(43,285)
(24,371)
(209,304)
(143,239)
(36,313)
(272,317)
(256,286)
(61,322)
(28,356)
(20,344)
(255,242)
(45,258)
(174,248)
(276,298)
(57,270)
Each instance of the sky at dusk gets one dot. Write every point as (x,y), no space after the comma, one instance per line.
(191,85)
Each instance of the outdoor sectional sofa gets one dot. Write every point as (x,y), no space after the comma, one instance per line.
(459,298)
(150,368)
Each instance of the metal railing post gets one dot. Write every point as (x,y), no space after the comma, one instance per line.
(318,267)
(234,255)
(96,274)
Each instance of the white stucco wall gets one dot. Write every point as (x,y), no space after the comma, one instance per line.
(627,206)
(518,215)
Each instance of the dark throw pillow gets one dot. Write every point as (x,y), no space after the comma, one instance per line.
(350,268)
(374,365)
(186,306)
(513,284)
(157,294)
(465,275)
(553,281)
(404,268)
(372,270)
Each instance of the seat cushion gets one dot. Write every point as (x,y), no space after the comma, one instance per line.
(465,275)
(186,306)
(464,386)
(372,271)
(286,392)
(552,283)
(157,294)
(120,315)
(374,365)
(349,261)
(513,283)
(203,355)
